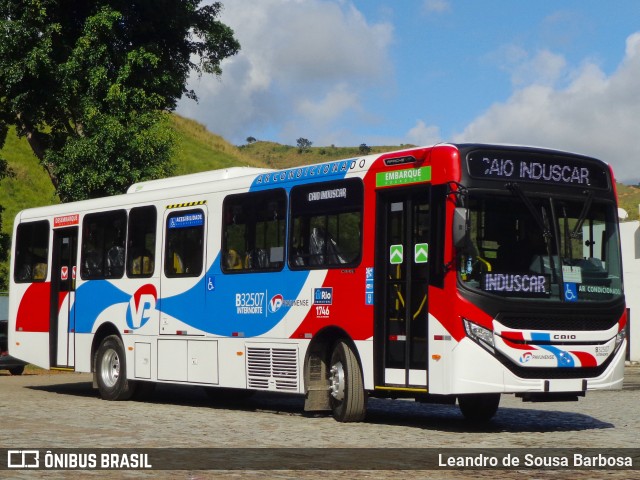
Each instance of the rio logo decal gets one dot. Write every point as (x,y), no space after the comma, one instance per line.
(142,306)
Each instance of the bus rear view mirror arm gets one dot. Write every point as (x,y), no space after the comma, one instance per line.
(460,226)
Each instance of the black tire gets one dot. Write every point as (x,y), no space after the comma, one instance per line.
(17,370)
(347,396)
(479,407)
(111,370)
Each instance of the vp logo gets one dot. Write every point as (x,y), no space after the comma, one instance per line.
(526,357)
(275,303)
(142,306)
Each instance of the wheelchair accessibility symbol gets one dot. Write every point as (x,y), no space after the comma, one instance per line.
(570,292)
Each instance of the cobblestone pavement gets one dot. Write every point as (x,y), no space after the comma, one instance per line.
(51,411)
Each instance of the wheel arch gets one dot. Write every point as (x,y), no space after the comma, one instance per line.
(105,330)
(316,366)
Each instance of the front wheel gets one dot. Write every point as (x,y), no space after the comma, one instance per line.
(348,398)
(479,407)
(111,370)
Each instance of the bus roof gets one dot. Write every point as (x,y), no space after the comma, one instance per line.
(195,178)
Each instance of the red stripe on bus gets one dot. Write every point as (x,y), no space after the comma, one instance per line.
(33,312)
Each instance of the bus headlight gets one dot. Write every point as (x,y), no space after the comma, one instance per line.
(622,334)
(481,335)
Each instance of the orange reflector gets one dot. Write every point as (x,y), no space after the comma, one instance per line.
(130,349)
(436,357)
(239,354)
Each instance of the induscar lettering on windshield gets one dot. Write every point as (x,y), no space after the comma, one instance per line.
(514,283)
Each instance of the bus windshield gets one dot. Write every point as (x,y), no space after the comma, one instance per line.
(552,249)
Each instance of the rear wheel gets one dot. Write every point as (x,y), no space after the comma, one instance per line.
(479,407)
(111,370)
(348,398)
(16,370)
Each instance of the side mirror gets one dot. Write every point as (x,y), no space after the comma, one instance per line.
(460,226)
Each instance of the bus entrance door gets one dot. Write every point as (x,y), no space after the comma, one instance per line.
(63,286)
(402,254)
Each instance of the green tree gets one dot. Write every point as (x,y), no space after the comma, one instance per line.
(304,145)
(5,243)
(88,83)
(364,149)
(4,238)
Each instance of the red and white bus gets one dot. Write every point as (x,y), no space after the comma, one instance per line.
(442,273)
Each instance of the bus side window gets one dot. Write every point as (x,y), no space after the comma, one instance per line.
(103,245)
(183,254)
(141,245)
(32,252)
(254,231)
(326,224)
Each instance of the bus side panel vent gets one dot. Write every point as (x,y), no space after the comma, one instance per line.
(272,367)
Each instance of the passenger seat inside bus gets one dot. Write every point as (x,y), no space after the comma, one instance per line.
(321,245)
(257,259)
(233,260)
(142,263)
(177,264)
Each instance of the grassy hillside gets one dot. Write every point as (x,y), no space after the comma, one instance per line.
(275,155)
(629,199)
(30,185)
(199,150)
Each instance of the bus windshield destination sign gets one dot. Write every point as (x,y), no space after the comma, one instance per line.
(523,167)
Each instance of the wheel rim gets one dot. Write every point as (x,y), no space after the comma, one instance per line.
(110,368)
(337,381)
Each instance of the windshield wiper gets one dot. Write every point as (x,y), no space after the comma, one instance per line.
(568,246)
(514,187)
(541,219)
(583,214)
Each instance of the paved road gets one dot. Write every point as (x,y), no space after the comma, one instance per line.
(50,411)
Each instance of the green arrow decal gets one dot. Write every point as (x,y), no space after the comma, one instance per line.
(396,254)
(421,253)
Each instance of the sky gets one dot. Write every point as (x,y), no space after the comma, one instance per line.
(560,74)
